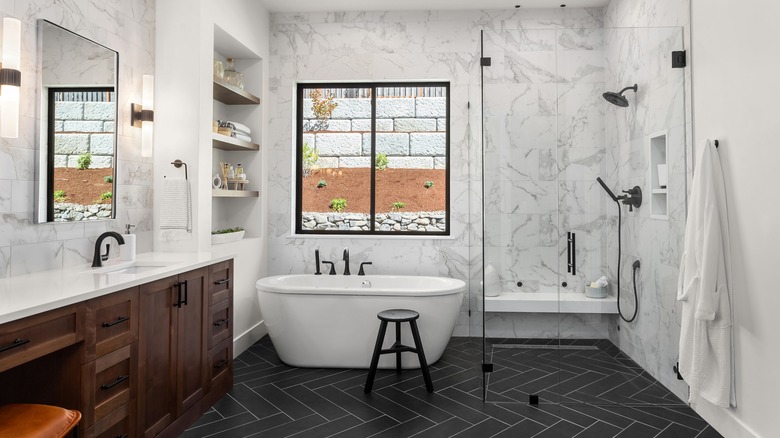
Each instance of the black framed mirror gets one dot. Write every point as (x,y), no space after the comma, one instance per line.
(76,169)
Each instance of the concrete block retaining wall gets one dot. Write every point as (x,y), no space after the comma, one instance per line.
(434,221)
(410,131)
(84,127)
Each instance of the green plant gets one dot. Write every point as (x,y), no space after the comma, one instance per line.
(428,184)
(228,230)
(106,195)
(321,184)
(109,179)
(84,161)
(381,161)
(338,204)
(310,158)
(59,195)
(398,205)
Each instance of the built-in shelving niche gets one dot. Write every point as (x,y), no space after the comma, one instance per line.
(243,106)
(659,175)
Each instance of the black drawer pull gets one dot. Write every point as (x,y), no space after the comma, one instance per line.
(118,380)
(222,281)
(221,322)
(16,343)
(121,436)
(119,320)
(220,364)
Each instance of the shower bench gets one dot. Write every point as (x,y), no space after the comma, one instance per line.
(550,302)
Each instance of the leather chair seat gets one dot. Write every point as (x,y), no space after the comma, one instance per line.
(29,420)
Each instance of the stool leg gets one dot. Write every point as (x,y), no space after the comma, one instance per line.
(375,358)
(421,355)
(398,342)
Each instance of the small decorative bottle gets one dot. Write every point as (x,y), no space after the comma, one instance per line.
(233,77)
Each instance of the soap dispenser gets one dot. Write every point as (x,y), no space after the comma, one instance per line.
(127,251)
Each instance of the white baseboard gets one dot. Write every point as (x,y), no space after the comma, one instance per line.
(723,420)
(245,340)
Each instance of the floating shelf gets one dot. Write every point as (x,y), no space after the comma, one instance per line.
(220,193)
(226,143)
(232,95)
(660,191)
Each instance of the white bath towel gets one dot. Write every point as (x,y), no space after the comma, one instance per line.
(706,355)
(240,127)
(176,209)
(241,136)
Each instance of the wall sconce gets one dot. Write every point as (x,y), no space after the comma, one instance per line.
(10,78)
(142,116)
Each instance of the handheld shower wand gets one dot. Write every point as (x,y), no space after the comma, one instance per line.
(632,198)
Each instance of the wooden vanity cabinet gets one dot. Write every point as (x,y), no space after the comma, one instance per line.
(174,357)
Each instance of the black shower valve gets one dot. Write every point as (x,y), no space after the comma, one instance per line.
(633,198)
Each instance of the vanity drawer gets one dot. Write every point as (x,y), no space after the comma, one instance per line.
(220,365)
(36,336)
(115,425)
(220,281)
(109,382)
(112,322)
(220,322)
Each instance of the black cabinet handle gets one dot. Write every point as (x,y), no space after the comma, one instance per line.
(121,436)
(119,320)
(16,343)
(220,364)
(120,379)
(177,303)
(221,322)
(186,293)
(222,281)
(571,253)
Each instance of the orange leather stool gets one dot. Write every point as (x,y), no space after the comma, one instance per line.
(28,421)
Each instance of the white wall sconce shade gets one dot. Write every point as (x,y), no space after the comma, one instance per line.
(142,116)
(10,78)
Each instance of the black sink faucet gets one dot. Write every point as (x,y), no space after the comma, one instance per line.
(96,258)
(346,261)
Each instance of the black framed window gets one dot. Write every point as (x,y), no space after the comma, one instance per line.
(373,158)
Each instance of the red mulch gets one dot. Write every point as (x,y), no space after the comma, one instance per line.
(392,185)
(83,186)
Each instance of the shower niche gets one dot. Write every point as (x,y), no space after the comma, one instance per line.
(659,175)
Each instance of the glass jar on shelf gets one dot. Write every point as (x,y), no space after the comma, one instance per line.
(233,77)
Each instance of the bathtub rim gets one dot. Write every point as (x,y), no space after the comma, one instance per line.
(266,285)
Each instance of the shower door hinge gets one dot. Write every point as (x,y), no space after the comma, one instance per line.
(678,59)
(484,61)
(469,312)
(487,367)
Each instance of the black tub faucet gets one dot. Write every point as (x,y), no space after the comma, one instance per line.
(346,261)
(362,272)
(317,262)
(97,257)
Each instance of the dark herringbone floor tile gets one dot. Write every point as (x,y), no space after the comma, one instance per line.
(579,389)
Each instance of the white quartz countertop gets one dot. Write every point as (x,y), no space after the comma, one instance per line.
(27,295)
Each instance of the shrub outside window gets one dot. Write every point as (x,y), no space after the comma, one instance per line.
(373,158)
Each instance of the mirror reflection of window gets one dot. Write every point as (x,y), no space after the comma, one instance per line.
(76,169)
(82,124)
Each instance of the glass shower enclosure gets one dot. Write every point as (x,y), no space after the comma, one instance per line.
(550,229)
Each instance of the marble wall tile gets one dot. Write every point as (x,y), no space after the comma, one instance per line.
(127,27)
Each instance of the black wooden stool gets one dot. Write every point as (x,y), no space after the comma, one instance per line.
(398,316)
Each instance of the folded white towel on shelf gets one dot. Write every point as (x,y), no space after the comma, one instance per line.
(601,282)
(241,136)
(241,128)
(176,209)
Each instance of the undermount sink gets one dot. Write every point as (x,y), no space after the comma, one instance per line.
(129,268)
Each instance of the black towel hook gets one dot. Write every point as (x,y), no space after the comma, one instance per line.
(717,143)
(178,163)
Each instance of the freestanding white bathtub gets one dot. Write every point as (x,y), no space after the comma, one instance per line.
(326,321)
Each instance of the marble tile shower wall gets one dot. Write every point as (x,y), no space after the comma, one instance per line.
(374,46)
(127,27)
(638,51)
(544,142)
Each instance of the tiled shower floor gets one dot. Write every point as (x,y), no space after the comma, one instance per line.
(576,371)
(270,399)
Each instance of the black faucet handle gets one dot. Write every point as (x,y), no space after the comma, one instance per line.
(332,267)
(361,272)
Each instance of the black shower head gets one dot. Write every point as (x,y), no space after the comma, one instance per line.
(606,189)
(618,98)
